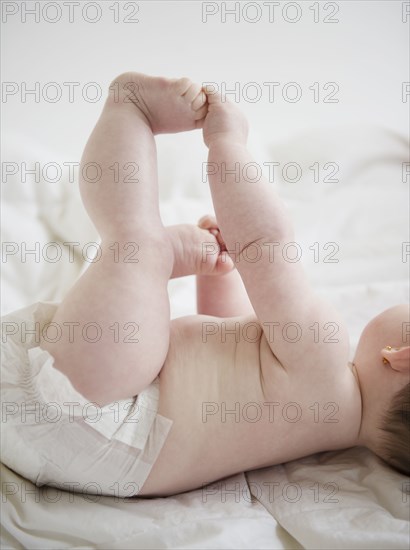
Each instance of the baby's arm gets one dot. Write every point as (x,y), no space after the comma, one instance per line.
(253,221)
(222,295)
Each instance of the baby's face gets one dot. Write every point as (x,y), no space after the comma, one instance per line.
(382,373)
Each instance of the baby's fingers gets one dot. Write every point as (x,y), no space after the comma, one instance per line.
(208,222)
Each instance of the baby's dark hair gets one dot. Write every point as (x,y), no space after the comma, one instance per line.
(395,426)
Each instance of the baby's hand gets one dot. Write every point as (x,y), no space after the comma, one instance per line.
(223,120)
(209,222)
(224,262)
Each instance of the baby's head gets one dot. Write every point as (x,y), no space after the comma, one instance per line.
(382,363)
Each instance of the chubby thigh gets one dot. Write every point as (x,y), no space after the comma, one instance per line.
(53,435)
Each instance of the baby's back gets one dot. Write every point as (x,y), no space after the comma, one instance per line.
(235,408)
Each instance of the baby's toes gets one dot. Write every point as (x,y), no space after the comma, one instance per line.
(199,101)
(195,96)
(200,108)
(190,90)
(212,96)
(207,222)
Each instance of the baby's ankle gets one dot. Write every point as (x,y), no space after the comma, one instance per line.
(223,139)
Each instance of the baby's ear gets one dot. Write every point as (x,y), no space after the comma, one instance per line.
(399,358)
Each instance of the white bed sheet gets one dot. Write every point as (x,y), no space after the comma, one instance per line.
(55,519)
(367,215)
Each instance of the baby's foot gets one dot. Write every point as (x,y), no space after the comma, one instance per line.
(224,121)
(169,105)
(197,251)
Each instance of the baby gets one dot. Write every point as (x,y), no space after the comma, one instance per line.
(261,375)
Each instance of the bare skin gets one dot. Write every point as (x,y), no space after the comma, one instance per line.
(258,395)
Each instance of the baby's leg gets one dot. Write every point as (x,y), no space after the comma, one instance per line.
(256,226)
(245,205)
(250,215)
(115,320)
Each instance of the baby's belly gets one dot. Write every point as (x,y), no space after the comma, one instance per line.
(213,386)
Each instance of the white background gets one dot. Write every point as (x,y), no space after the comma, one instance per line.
(366,53)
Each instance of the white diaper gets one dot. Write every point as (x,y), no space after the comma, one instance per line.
(53,436)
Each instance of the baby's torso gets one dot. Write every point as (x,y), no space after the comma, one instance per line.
(234,407)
